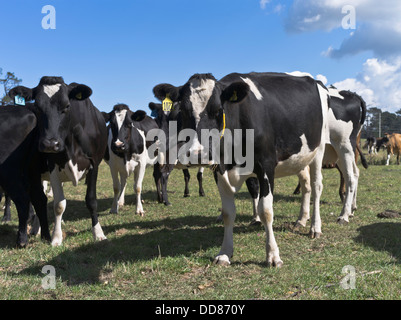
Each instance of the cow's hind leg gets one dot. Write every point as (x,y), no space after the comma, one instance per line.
(253,189)
(187,177)
(7,208)
(304,213)
(199,177)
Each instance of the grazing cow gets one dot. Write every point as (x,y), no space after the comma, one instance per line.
(128,151)
(287,117)
(72,133)
(20,167)
(392,142)
(371,145)
(163,170)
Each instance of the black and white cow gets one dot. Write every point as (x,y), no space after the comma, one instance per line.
(287,116)
(21,165)
(128,151)
(72,133)
(163,170)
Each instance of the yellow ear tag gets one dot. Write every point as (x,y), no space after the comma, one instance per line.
(167,104)
(234,97)
(79,96)
(224,125)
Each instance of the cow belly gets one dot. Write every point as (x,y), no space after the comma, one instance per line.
(297,162)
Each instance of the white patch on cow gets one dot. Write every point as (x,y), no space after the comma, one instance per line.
(253,88)
(51,90)
(72,172)
(340,131)
(97,233)
(335,93)
(201,91)
(299,74)
(120,116)
(296,162)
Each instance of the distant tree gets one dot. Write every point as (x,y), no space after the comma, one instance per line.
(8,82)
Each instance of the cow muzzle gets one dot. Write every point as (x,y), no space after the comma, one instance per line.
(50,146)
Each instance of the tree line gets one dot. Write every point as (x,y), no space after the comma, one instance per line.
(378,123)
(7,82)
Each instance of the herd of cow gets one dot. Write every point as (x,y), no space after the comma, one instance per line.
(299,127)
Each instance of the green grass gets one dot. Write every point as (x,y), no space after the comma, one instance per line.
(168,253)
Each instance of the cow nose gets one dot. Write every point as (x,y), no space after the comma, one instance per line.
(119,145)
(50,145)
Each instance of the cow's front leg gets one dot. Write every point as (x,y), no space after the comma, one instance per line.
(228,215)
(91,203)
(139,173)
(116,190)
(265,210)
(59,205)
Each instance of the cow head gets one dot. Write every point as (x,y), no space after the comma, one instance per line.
(52,106)
(122,126)
(202,102)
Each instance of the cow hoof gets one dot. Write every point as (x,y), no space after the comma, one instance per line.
(297,226)
(140,213)
(275,264)
(222,260)
(6,219)
(342,221)
(56,243)
(201,194)
(167,204)
(187,195)
(315,235)
(255,222)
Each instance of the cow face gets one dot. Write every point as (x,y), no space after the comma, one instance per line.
(125,138)
(52,106)
(202,101)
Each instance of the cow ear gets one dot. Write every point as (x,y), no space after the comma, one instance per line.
(235,92)
(80,92)
(138,116)
(163,90)
(155,106)
(106,116)
(27,93)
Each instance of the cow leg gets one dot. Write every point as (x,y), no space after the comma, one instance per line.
(388,157)
(317,189)
(157,178)
(265,210)
(187,177)
(347,165)
(228,214)
(199,176)
(7,208)
(139,173)
(341,191)
(253,188)
(304,181)
(39,202)
(165,172)
(91,203)
(116,190)
(59,204)
(123,186)
(356,177)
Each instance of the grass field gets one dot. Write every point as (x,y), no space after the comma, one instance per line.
(168,253)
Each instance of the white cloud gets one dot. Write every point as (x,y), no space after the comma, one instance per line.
(263,3)
(378,24)
(322,78)
(379,84)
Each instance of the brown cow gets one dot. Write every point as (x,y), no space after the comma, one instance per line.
(393,145)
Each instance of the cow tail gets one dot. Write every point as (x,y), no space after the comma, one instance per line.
(363,113)
(363,159)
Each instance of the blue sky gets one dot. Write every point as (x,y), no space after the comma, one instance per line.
(122,49)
